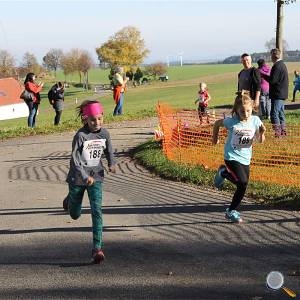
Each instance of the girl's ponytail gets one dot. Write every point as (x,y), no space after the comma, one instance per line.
(242,98)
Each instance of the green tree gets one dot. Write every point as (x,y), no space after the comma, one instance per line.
(138,75)
(125,48)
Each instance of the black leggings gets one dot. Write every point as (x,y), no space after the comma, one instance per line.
(57,116)
(238,174)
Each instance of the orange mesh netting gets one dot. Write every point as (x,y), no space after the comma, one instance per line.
(187,140)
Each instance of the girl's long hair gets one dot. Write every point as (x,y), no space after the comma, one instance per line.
(242,98)
(79,108)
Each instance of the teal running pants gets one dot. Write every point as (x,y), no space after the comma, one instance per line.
(75,198)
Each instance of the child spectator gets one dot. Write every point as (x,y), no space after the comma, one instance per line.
(264,99)
(296,85)
(203,99)
(86,169)
(242,129)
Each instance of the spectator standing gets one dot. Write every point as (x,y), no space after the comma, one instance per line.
(279,83)
(249,80)
(56,97)
(296,85)
(119,86)
(264,99)
(34,88)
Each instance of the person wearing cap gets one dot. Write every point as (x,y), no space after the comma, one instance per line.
(86,170)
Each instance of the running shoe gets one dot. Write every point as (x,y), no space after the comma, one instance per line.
(66,204)
(97,256)
(233,216)
(219,179)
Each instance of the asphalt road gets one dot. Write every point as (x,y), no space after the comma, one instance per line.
(163,239)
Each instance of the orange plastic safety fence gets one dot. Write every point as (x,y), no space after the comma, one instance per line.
(187,139)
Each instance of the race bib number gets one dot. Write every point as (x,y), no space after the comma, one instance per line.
(92,151)
(242,138)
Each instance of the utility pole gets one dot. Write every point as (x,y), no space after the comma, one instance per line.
(279,22)
(279,25)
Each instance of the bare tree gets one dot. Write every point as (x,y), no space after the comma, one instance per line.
(7,64)
(52,60)
(271,44)
(85,62)
(30,64)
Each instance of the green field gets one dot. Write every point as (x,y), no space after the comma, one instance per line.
(180,91)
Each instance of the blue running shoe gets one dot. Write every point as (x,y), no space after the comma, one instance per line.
(233,216)
(219,179)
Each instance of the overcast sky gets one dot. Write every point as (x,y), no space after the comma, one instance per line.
(201,30)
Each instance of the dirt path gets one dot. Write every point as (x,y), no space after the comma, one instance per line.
(163,239)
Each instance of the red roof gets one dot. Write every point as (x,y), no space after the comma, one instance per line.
(10,91)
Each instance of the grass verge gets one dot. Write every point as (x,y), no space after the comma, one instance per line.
(69,125)
(151,156)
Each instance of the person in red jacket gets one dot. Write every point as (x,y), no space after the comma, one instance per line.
(33,105)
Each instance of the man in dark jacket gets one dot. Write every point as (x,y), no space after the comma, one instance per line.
(279,83)
(249,79)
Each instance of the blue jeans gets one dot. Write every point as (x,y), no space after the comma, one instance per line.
(265,105)
(33,108)
(277,112)
(119,107)
(75,198)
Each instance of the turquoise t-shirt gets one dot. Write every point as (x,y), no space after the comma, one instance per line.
(240,137)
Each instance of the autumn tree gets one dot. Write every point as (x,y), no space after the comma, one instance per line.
(52,60)
(156,69)
(70,62)
(125,48)
(77,60)
(7,64)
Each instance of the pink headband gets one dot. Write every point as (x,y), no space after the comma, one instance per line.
(92,109)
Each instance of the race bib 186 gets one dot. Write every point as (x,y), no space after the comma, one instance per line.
(92,151)
(242,138)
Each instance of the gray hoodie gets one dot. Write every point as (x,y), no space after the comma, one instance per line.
(87,149)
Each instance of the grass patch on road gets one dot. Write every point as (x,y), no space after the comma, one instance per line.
(151,156)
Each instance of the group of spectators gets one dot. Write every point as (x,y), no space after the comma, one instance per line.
(268,88)
(56,96)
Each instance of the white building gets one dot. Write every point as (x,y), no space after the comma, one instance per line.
(11,106)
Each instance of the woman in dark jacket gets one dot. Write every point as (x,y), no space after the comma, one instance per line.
(33,105)
(57,100)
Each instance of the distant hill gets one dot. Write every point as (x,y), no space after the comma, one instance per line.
(293,55)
